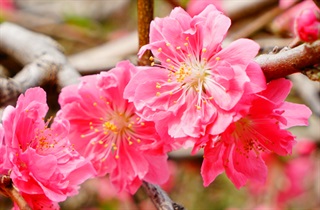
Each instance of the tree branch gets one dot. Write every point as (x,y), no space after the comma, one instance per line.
(41,56)
(290,61)
(160,198)
(7,189)
(145,16)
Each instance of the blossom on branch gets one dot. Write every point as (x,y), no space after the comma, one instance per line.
(237,151)
(40,159)
(193,91)
(307,24)
(107,131)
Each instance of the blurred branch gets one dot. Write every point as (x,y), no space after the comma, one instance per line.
(160,198)
(174,3)
(7,189)
(145,16)
(317,2)
(256,23)
(239,9)
(105,56)
(289,61)
(41,56)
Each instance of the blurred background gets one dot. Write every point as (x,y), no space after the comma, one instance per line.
(96,34)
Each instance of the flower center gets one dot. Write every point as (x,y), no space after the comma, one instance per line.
(247,136)
(117,123)
(117,127)
(44,139)
(190,68)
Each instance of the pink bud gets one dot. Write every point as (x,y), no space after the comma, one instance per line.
(307,25)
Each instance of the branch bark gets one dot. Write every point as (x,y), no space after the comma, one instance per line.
(160,198)
(145,16)
(7,189)
(290,61)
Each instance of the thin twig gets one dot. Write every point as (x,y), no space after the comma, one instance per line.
(7,189)
(145,16)
(290,61)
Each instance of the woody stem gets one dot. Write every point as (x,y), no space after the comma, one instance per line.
(145,16)
(7,189)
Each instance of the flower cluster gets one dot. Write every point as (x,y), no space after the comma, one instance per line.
(40,160)
(215,98)
(122,123)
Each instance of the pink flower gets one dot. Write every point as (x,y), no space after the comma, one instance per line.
(284,4)
(284,24)
(195,7)
(291,181)
(7,5)
(307,24)
(198,83)
(107,130)
(303,168)
(44,166)
(3,151)
(237,150)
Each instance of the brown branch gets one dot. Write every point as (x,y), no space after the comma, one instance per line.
(145,16)
(290,61)
(160,198)
(7,189)
(175,3)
